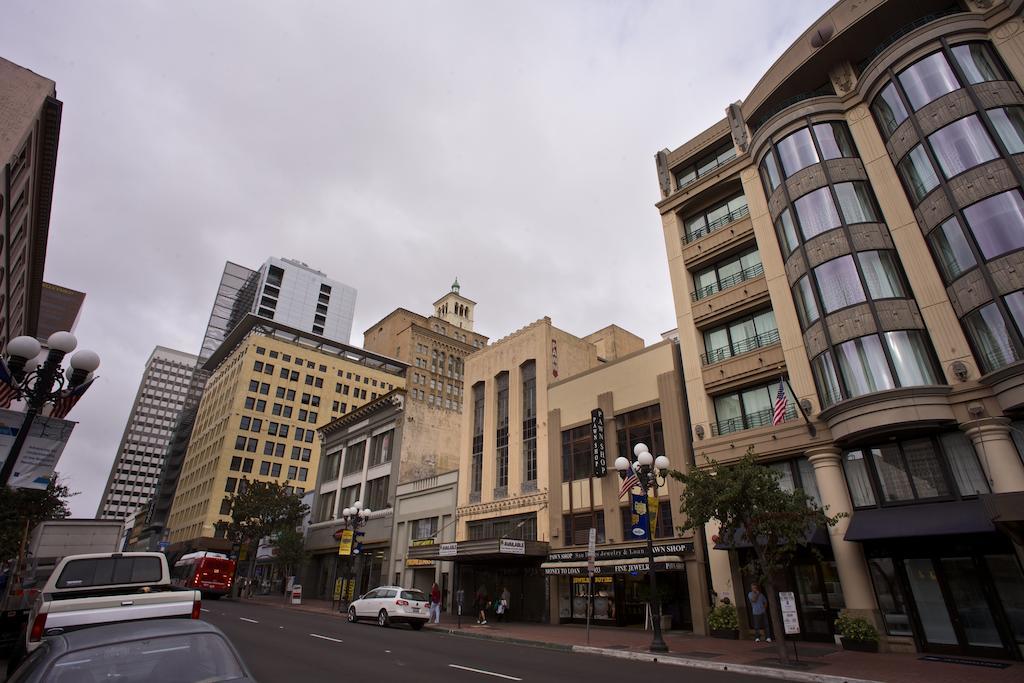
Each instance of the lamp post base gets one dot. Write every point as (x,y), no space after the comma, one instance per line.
(658,645)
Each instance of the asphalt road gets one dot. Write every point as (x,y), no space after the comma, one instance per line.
(281,645)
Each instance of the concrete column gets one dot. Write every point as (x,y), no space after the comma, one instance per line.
(997,453)
(850,563)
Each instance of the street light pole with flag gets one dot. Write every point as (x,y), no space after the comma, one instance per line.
(781,403)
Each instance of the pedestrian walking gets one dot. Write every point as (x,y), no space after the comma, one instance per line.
(503,603)
(759,609)
(481,605)
(435,604)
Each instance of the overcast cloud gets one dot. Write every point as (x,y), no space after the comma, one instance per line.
(392,145)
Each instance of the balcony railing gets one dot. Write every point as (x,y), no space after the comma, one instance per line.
(904,30)
(750,273)
(743,346)
(705,171)
(761,418)
(717,224)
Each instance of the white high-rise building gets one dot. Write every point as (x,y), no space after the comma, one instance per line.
(136,469)
(296,295)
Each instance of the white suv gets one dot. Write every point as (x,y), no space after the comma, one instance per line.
(391,604)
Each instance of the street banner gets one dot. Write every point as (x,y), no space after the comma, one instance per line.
(652,511)
(337,589)
(345,544)
(40,452)
(638,516)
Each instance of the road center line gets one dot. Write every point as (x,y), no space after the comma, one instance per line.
(481,671)
(203,609)
(317,635)
(251,621)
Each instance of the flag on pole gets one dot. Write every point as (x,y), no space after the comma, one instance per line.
(781,402)
(8,387)
(68,398)
(628,483)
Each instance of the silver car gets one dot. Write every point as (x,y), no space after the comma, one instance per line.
(391,604)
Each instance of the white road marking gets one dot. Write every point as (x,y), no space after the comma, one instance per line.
(387,651)
(251,621)
(203,609)
(317,635)
(481,671)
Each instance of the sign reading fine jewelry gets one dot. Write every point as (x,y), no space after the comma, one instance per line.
(512,546)
(41,451)
(597,436)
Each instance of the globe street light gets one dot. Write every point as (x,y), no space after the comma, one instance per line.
(648,470)
(352,518)
(41,382)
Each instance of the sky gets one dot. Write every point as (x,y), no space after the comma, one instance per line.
(391,145)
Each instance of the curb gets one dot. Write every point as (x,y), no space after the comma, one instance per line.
(504,639)
(763,671)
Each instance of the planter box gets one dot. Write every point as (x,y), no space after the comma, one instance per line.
(727,633)
(860,645)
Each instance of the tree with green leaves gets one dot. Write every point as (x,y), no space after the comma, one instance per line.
(262,509)
(21,510)
(752,509)
(289,551)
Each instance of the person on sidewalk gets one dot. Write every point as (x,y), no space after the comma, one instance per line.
(759,608)
(503,603)
(481,605)
(435,604)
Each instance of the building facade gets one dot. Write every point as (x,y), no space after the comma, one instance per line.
(851,231)
(270,386)
(424,516)
(30,115)
(135,472)
(59,310)
(635,399)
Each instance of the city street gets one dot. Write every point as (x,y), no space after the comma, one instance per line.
(284,645)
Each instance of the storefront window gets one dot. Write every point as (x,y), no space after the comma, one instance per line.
(918,174)
(863,366)
(842,286)
(1009,582)
(889,110)
(797,151)
(962,145)
(856,203)
(978,63)
(816,212)
(997,223)
(1009,123)
(990,337)
(952,253)
(927,80)
(891,601)
(805,306)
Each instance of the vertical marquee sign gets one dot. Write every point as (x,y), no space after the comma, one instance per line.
(597,434)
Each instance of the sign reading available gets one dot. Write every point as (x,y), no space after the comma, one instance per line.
(512,546)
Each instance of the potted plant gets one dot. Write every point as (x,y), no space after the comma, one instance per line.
(723,622)
(857,634)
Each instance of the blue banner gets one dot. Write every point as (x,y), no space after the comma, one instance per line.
(638,515)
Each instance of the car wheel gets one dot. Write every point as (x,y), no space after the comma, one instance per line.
(382,619)
(352,617)
(416,625)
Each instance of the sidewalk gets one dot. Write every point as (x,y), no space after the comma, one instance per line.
(818,661)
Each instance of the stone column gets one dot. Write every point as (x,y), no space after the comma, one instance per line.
(853,570)
(997,453)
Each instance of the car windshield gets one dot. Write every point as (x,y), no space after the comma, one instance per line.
(170,659)
(414,595)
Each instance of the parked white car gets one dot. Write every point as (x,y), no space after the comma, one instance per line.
(391,604)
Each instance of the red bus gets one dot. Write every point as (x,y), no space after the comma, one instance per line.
(211,573)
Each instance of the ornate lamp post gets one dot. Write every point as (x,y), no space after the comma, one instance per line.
(42,383)
(648,470)
(353,518)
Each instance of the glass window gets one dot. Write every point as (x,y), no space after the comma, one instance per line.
(1015,304)
(889,110)
(891,602)
(863,366)
(857,479)
(997,223)
(826,380)
(925,468)
(882,274)
(834,140)
(808,482)
(787,233)
(785,475)
(962,145)
(918,175)
(770,172)
(806,308)
(909,353)
(952,253)
(796,151)
(892,475)
(842,286)
(928,80)
(856,203)
(963,463)
(816,212)
(1009,582)
(717,216)
(978,63)
(1009,124)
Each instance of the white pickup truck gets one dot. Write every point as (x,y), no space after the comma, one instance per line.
(103,588)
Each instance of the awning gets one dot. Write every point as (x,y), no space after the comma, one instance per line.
(930,519)
(817,536)
(1006,510)
(488,550)
(606,567)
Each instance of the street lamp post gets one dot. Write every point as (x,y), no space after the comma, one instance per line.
(648,469)
(42,383)
(353,518)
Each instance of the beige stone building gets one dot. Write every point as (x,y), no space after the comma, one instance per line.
(854,227)
(271,387)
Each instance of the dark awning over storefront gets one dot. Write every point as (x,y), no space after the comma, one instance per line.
(816,536)
(1006,510)
(488,550)
(908,521)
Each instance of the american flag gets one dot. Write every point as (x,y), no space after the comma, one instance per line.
(780,404)
(68,398)
(628,483)
(8,387)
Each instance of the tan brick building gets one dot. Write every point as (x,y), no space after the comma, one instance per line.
(854,227)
